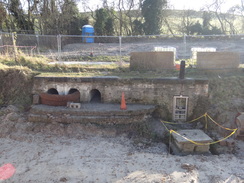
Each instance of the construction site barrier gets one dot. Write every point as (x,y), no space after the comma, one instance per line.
(205,116)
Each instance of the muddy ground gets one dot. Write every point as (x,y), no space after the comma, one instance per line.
(75,153)
(183,49)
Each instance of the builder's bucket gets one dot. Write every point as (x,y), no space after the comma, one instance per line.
(177,67)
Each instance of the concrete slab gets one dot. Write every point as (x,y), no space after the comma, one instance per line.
(193,134)
(182,146)
(98,113)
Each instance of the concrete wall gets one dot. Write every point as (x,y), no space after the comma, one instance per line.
(142,91)
(218,60)
(152,60)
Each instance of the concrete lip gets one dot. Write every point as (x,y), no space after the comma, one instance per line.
(182,146)
(98,107)
(192,134)
(80,63)
(98,113)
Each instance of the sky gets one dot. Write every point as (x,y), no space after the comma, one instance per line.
(198,4)
(177,4)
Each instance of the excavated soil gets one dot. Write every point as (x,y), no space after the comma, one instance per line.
(42,152)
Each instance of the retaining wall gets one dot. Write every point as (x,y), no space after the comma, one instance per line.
(152,60)
(218,60)
(158,91)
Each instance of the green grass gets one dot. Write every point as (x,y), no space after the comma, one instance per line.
(3,66)
(41,65)
(100,58)
(16,85)
(71,74)
(125,72)
(34,63)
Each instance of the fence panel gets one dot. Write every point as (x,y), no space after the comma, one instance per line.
(116,48)
(5,42)
(74,47)
(153,43)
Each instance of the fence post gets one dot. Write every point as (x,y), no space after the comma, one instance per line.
(14,45)
(1,42)
(184,40)
(59,46)
(120,43)
(1,39)
(38,42)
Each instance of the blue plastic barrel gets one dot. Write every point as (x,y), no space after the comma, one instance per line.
(87,30)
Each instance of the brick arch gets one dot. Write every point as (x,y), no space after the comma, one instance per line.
(73,90)
(95,96)
(52,91)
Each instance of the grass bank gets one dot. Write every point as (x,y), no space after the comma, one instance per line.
(16,85)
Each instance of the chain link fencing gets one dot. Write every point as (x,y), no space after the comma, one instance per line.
(116,48)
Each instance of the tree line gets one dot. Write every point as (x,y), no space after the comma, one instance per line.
(121,17)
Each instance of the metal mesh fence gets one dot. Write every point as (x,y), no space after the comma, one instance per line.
(152,43)
(71,47)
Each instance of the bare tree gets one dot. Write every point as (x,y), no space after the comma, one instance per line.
(166,14)
(226,19)
(186,21)
(125,16)
(238,10)
(216,7)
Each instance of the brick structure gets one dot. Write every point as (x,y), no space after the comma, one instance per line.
(157,91)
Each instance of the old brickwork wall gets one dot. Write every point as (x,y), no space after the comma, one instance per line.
(141,91)
(152,60)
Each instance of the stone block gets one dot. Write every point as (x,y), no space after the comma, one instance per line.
(36,99)
(188,147)
(73,105)
(179,145)
(240,124)
(201,148)
(185,146)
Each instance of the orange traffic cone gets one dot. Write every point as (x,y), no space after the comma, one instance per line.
(123,104)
